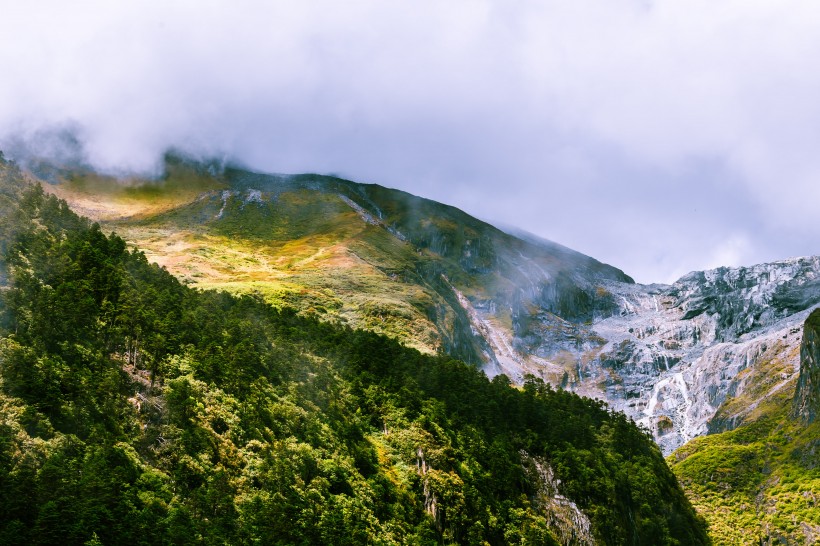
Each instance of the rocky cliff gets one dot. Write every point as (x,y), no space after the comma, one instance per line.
(682,360)
(806,405)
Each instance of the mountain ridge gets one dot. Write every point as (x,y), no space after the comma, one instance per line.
(457,247)
(134,409)
(669,356)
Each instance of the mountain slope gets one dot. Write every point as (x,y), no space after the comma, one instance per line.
(716,351)
(760,483)
(136,410)
(678,359)
(354,253)
(698,356)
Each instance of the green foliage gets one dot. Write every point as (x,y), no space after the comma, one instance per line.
(813,321)
(759,483)
(134,410)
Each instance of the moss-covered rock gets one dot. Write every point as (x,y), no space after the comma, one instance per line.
(806,404)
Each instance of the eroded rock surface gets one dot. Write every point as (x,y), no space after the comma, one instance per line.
(806,404)
(671,357)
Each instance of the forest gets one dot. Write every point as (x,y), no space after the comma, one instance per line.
(137,410)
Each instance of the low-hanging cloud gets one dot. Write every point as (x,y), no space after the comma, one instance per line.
(660,136)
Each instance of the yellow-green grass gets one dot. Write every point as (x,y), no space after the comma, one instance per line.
(759,483)
(104,198)
(770,375)
(329,281)
(305,249)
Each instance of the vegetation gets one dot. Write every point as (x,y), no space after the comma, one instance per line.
(759,483)
(756,479)
(355,254)
(311,251)
(136,410)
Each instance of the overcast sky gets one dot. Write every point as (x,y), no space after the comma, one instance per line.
(659,136)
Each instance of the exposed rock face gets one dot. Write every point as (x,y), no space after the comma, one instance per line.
(573,526)
(806,404)
(670,356)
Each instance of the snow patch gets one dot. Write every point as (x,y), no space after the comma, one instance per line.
(253,196)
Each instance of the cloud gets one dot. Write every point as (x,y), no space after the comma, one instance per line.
(732,250)
(645,133)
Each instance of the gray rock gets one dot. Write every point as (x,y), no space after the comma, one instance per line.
(668,356)
(806,404)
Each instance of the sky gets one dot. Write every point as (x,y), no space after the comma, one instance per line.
(660,136)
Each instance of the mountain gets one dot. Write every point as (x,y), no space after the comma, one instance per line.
(698,356)
(704,364)
(426,273)
(677,358)
(136,410)
(759,483)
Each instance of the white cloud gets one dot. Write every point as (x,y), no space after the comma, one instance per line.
(731,252)
(641,132)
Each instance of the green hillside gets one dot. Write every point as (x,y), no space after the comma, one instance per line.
(352,254)
(760,482)
(136,410)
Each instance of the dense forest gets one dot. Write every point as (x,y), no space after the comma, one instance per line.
(135,410)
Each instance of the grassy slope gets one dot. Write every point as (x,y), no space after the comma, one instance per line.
(305,246)
(305,249)
(758,483)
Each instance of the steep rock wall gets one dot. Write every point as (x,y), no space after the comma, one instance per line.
(681,360)
(806,405)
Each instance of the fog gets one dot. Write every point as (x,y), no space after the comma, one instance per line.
(658,136)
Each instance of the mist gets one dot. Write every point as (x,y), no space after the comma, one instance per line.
(659,136)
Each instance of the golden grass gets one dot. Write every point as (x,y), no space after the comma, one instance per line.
(106,199)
